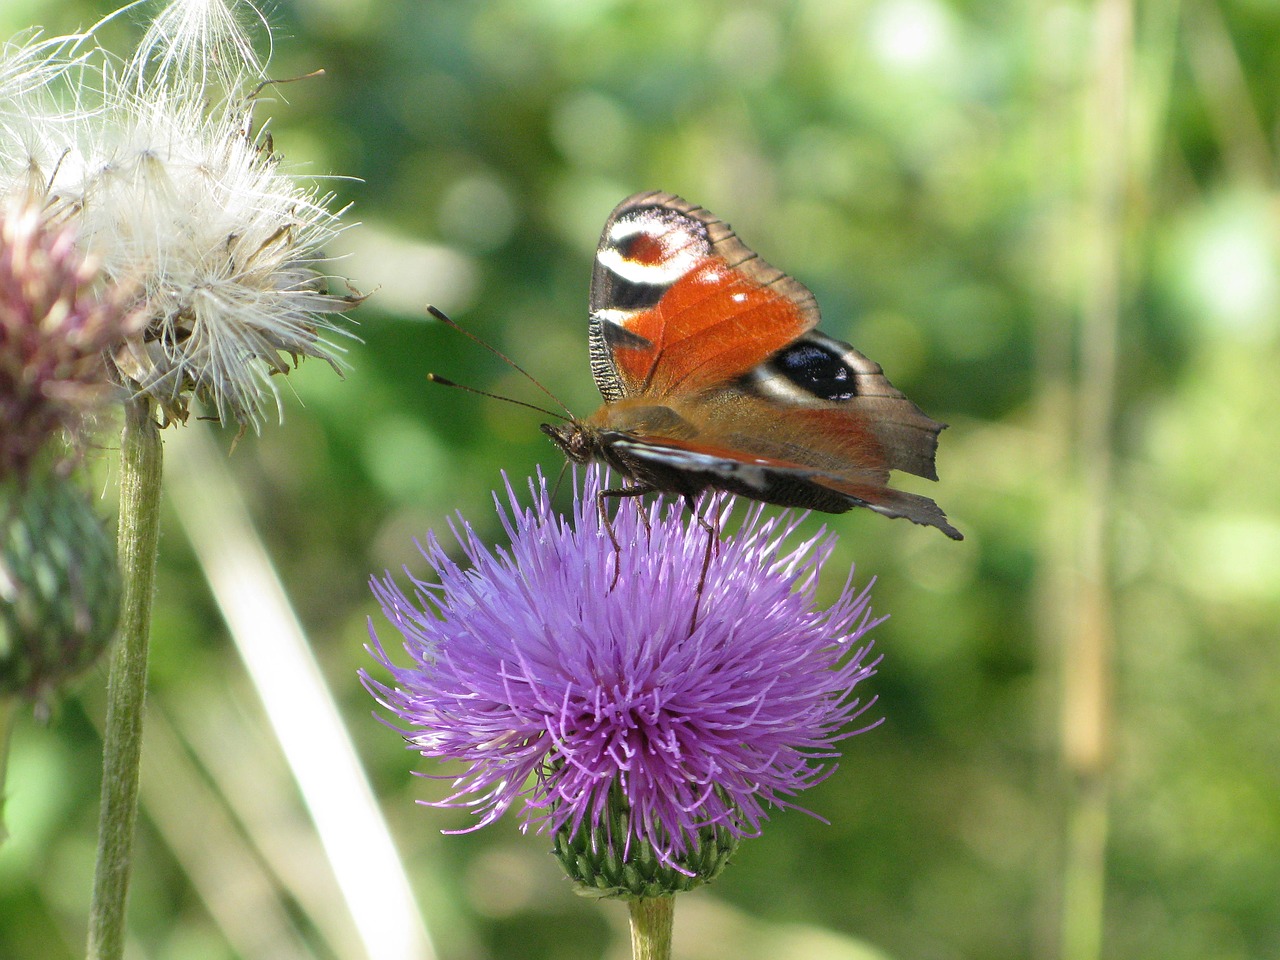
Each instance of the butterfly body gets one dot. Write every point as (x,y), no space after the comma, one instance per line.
(715,378)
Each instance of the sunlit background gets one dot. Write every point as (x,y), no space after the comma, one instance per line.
(1055,225)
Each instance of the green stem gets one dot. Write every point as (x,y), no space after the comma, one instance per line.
(1084,880)
(1088,720)
(651,921)
(141,457)
(8,717)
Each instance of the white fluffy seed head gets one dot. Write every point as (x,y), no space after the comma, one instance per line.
(224,247)
(180,200)
(41,109)
(198,43)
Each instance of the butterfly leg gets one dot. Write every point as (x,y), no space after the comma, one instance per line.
(713,540)
(608,522)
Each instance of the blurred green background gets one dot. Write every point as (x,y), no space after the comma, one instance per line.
(950,180)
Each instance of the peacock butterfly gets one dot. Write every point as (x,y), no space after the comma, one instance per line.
(714,377)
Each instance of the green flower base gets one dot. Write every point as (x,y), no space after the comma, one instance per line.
(593,858)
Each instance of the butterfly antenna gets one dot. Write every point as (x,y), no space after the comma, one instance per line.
(443,318)
(444,382)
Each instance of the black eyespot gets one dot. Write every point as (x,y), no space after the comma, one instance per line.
(816,369)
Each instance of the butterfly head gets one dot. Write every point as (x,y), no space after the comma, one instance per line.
(579,441)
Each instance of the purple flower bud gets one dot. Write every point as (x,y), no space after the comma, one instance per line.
(53,331)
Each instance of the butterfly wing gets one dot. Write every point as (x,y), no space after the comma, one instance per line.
(811,458)
(685,317)
(783,482)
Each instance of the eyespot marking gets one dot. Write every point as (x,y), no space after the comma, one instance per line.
(816,369)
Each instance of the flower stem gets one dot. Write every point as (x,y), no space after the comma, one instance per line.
(1089,650)
(8,717)
(141,457)
(651,920)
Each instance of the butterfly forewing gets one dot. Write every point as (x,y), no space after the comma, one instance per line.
(678,301)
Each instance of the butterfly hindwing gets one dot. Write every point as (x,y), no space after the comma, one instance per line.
(782,482)
(820,373)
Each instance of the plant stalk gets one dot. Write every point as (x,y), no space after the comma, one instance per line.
(1089,651)
(8,719)
(651,922)
(141,463)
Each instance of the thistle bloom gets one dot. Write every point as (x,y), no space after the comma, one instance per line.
(559,689)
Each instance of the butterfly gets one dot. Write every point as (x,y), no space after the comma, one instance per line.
(714,377)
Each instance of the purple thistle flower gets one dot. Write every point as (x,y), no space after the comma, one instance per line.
(553,685)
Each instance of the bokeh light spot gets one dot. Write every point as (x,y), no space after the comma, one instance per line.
(909,35)
(477,212)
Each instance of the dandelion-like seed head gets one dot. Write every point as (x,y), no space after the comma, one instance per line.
(601,707)
(178,195)
(29,63)
(42,110)
(226,250)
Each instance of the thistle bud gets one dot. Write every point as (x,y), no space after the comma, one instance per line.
(59,584)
